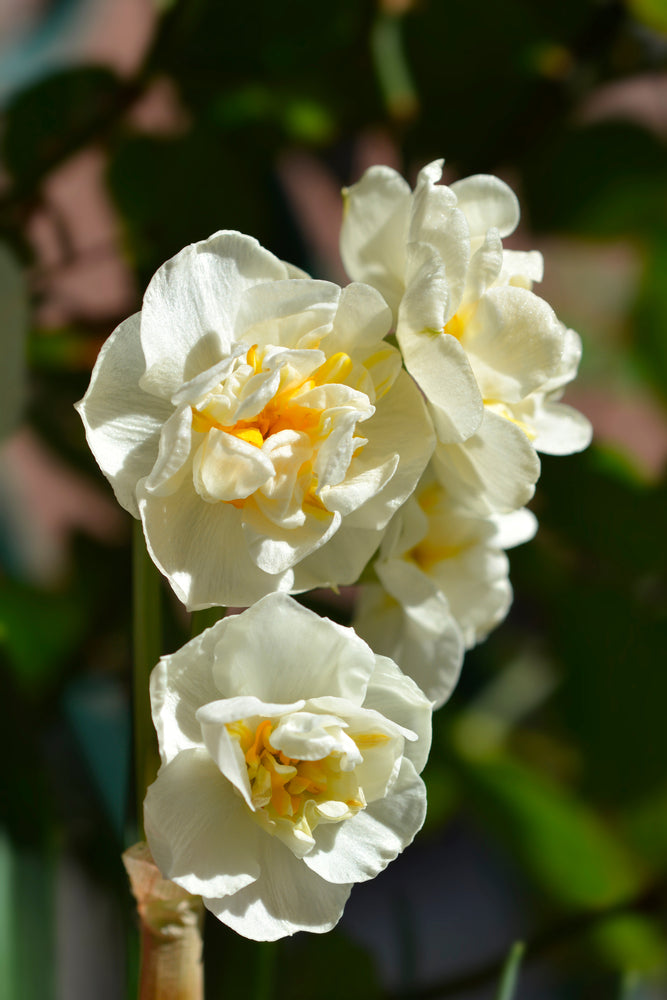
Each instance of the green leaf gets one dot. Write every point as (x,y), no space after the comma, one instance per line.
(510,974)
(561,844)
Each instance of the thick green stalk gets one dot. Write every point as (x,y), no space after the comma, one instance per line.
(147,614)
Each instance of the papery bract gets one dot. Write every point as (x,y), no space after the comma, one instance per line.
(257,422)
(290,767)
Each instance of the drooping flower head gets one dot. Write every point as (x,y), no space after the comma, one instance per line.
(257,422)
(490,355)
(291,757)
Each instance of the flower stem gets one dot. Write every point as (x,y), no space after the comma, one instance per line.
(265,963)
(147,614)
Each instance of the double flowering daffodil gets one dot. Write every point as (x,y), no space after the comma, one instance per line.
(257,422)
(290,767)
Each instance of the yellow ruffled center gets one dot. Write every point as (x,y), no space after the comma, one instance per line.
(281,785)
(283,411)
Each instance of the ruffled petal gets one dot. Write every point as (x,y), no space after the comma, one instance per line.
(200,547)
(487,202)
(123,423)
(363,846)
(198,829)
(280,651)
(189,311)
(494,471)
(286,898)
(373,232)
(560,429)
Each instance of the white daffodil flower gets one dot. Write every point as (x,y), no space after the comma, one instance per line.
(257,422)
(444,585)
(490,356)
(290,767)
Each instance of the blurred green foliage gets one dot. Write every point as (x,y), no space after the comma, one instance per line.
(572,793)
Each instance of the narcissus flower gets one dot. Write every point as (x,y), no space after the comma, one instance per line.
(291,757)
(443,585)
(257,422)
(487,352)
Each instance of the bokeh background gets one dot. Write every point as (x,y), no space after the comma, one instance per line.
(133,127)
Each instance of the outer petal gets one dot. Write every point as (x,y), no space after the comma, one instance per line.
(373,233)
(487,202)
(201,549)
(198,829)
(561,430)
(410,620)
(363,846)
(397,697)
(122,422)
(286,898)
(280,652)
(180,684)
(192,301)
(492,472)
(515,343)
(291,313)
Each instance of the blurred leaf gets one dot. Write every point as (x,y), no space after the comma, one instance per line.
(30,966)
(651,12)
(55,117)
(605,179)
(650,317)
(560,843)
(14,312)
(510,974)
(39,629)
(631,941)
(645,824)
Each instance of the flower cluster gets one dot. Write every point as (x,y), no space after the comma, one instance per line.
(272,439)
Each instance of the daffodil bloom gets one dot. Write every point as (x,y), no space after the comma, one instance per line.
(290,767)
(257,422)
(443,585)
(490,355)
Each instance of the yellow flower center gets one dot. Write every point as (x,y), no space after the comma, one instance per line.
(283,412)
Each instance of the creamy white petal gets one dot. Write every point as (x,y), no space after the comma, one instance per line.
(285,312)
(123,423)
(179,685)
(258,654)
(515,343)
(397,697)
(362,320)
(198,829)
(373,232)
(560,429)
(363,846)
(226,468)
(175,446)
(514,529)
(192,300)
(286,898)
(487,202)
(484,267)
(200,547)
(521,267)
(492,472)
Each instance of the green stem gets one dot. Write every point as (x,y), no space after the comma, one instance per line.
(147,613)
(267,953)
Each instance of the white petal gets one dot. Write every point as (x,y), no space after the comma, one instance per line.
(514,529)
(175,445)
(180,684)
(484,267)
(189,311)
(227,468)
(439,366)
(560,429)
(281,652)
(372,238)
(514,342)
(200,547)
(397,697)
(492,472)
(487,202)
(427,641)
(286,898)
(362,321)
(361,847)
(123,423)
(521,267)
(287,313)
(198,829)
